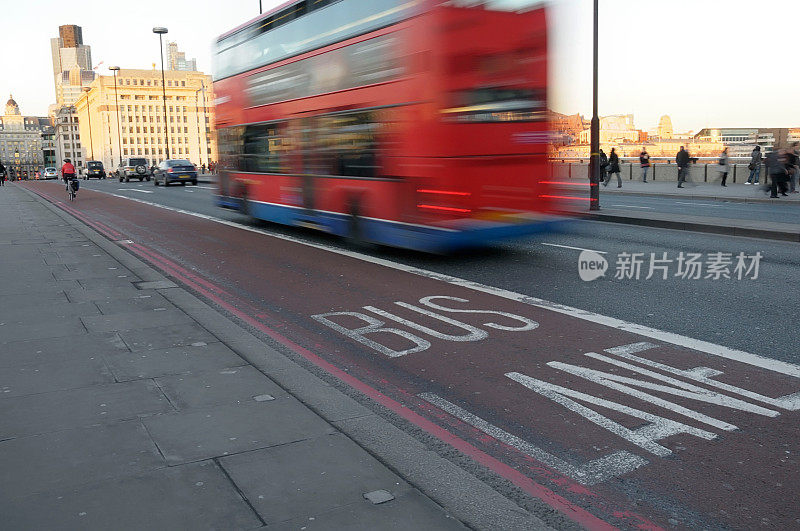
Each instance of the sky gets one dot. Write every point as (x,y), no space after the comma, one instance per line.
(706,63)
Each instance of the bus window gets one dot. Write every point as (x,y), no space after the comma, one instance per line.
(265,148)
(344,145)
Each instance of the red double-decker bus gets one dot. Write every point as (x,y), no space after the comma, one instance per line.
(413,123)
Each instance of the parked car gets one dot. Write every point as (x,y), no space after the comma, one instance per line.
(94,168)
(132,168)
(175,171)
(50,173)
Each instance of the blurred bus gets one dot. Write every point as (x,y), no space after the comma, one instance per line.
(411,123)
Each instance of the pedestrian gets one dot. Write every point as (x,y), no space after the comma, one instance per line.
(682,160)
(613,167)
(776,166)
(203,167)
(603,166)
(792,158)
(724,168)
(2,174)
(754,166)
(644,161)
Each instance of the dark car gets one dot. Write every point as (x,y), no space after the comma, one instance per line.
(175,171)
(133,168)
(94,168)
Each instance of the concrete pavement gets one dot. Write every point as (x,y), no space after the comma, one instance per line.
(127,403)
(734,192)
(704,220)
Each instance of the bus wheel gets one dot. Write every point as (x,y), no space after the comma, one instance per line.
(355,225)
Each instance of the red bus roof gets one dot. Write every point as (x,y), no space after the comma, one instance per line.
(259,17)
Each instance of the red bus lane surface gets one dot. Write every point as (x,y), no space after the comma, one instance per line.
(634,429)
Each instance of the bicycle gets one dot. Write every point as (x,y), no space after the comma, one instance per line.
(72,188)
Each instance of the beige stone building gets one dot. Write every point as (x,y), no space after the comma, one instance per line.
(131,123)
(24,148)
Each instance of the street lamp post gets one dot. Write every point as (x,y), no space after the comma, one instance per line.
(594,161)
(161,31)
(89,114)
(115,69)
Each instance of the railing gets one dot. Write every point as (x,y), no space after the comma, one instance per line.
(661,168)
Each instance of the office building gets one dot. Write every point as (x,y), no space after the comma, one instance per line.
(176,60)
(141,125)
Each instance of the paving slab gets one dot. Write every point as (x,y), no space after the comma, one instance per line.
(138,304)
(55,461)
(59,349)
(308,477)
(410,510)
(41,329)
(140,320)
(35,288)
(60,410)
(33,310)
(25,300)
(167,337)
(122,280)
(60,375)
(126,365)
(94,275)
(196,496)
(79,294)
(225,430)
(230,385)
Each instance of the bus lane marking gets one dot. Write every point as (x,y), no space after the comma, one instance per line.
(699,345)
(611,465)
(376,326)
(590,473)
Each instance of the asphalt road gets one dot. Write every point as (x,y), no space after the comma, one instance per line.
(751,315)
(510,357)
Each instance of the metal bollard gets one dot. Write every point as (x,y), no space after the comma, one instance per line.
(734,172)
(705,177)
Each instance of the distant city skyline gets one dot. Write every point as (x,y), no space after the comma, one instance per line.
(674,58)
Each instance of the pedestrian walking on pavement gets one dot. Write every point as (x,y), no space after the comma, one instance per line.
(613,167)
(776,166)
(754,166)
(2,174)
(603,166)
(203,167)
(792,158)
(724,167)
(644,160)
(682,160)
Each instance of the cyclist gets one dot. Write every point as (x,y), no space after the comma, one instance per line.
(68,174)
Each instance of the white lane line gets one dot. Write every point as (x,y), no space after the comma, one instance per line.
(573,248)
(207,187)
(590,473)
(698,204)
(632,206)
(707,347)
(132,190)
